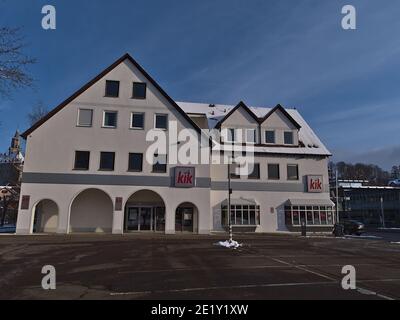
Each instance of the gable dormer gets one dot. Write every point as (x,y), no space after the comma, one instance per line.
(239,125)
(279,128)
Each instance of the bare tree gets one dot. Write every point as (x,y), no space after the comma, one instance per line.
(38,112)
(13,62)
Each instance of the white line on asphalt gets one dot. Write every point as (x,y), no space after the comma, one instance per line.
(222,288)
(256,267)
(304,269)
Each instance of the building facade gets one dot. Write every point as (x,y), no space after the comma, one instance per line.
(91,164)
(375,206)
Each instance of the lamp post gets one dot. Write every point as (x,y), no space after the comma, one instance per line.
(337,197)
(229,200)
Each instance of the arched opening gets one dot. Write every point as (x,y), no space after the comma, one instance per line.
(186,218)
(144,211)
(91,211)
(45,217)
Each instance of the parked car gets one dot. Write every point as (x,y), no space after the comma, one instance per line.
(353,227)
(8,229)
(394,183)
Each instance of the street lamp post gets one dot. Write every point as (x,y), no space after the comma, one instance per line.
(337,197)
(229,201)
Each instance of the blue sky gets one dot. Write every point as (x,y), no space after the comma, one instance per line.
(345,83)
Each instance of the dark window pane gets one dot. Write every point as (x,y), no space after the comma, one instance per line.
(112,89)
(161,121)
(160,164)
(256,172)
(107,160)
(85,117)
(110,119)
(270,136)
(288,137)
(139,90)
(293,172)
(82,160)
(135,161)
(138,120)
(273,171)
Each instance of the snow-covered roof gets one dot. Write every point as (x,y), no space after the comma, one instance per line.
(215,113)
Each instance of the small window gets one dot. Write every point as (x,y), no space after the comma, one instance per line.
(161,121)
(251,136)
(293,172)
(230,135)
(288,137)
(137,120)
(110,119)
(269,136)
(273,171)
(85,117)
(135,162)
(107,160)
(256,171)
(139,90)
(160,163)
(112,89)
(234,168)
(82,159)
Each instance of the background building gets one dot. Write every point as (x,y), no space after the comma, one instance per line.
(375,206)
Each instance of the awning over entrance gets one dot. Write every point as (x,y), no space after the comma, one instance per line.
(310,202)
(240,201)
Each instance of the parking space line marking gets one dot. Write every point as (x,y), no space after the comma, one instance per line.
(224,288)
(304,269)
(251,267)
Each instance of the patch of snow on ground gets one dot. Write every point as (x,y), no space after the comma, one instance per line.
(229,244)
(395,242)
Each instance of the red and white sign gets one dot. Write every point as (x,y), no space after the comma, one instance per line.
(184,177)
(315,184)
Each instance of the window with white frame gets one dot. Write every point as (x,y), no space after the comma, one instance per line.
(241,215)
(230,135)
(85,117)
(251,136)
(137,120)
(312,215)
(110,119)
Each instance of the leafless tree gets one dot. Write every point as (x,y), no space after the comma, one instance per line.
(38,112)
(13,62)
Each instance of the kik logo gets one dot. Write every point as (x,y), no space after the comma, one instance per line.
(185,178)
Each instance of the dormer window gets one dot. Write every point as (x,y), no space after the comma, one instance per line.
(251,136)
(112,89)
(139,90)
(230,135)
(270,136)
(288,137)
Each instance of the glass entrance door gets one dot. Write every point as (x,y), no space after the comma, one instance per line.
(146,219)
(184,220)
(132,223)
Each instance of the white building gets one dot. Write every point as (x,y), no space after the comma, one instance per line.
(86,170)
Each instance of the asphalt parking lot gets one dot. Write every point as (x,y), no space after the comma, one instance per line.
(193,267)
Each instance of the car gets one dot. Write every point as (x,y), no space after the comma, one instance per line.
(394,183)
(8,229)
(353,227)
